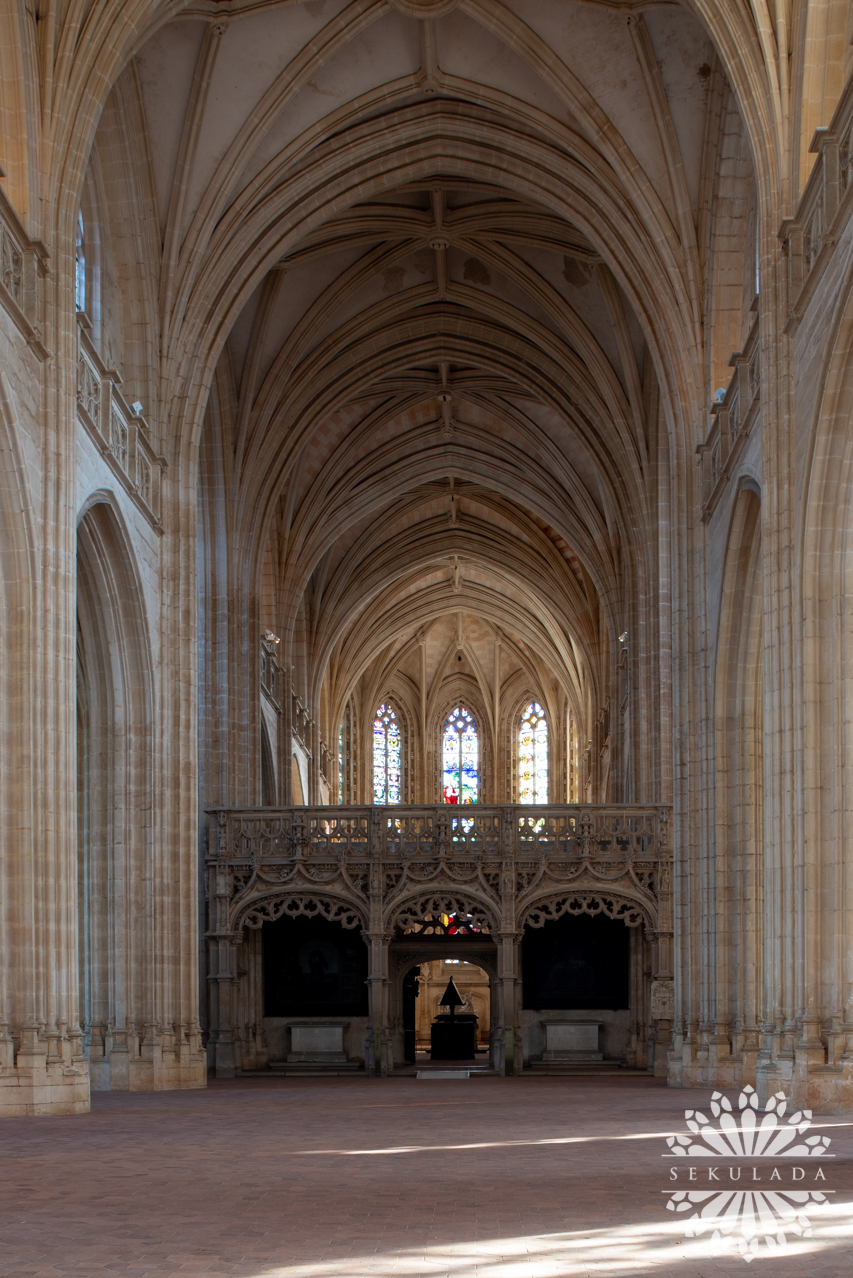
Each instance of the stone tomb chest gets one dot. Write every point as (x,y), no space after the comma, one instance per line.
(317,1043)
(571,1041)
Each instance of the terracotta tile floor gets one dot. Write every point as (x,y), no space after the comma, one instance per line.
(338,1178)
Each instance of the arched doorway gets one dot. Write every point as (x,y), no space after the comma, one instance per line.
(474,986)
(313,997)
(419,972)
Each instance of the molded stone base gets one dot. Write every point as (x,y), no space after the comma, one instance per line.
(824,1088)
(55,1089)
(118,1072)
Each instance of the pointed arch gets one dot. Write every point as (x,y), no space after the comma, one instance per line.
(269,786)
(348,754)
(826,585)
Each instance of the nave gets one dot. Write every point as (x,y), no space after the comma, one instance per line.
(426,488)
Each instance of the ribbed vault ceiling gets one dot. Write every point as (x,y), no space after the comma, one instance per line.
(448,256)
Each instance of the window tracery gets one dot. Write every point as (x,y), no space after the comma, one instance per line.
(387,755)
(460,758)
(533,755)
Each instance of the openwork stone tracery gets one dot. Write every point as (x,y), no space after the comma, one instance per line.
(631,913)
(311,905)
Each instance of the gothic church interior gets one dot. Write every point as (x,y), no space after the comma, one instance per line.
(426,482)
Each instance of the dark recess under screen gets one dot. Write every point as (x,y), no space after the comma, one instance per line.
(313,968)
(577,961)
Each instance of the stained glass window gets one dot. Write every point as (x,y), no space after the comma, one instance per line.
(386,756)
(461,771)
(533,755)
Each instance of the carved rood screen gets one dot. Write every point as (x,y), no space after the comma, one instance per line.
(434,871)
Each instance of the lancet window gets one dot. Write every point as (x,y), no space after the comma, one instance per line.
(387,755)
(461,758)
(533,755)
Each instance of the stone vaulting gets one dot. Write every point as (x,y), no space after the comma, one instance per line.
(407,358)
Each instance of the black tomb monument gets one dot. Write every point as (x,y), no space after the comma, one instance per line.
(452,1037)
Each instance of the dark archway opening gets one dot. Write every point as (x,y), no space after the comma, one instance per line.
(581,992)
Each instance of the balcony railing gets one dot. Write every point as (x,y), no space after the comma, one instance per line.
(370,866)
(732,422)
(121,435)
(809,237)
(23,267)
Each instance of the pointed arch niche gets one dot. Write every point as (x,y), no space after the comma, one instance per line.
(348,756)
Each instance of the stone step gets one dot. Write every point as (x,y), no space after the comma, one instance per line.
(581,1069)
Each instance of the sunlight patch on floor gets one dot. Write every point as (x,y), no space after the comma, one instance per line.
(493,1144)
(625,1249)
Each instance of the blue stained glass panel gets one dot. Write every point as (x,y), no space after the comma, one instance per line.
(80,263)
